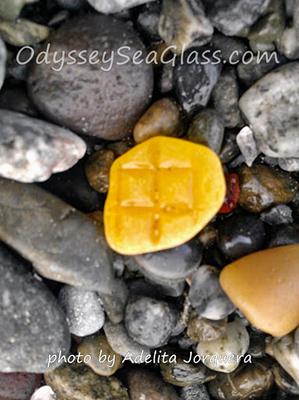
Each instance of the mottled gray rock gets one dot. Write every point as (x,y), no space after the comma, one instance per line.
(195,79)
(271,107)
(278,215)
(150,322)
(72,5)
(70,95)
(3,56)
(83,309)
(115,301)
(31,149)
(225,97)
(224,354)
(288,44)
(173,264)
(114,6)
(23,32)
(32,324)
(289,164)
(247,145)
(63,244)
(148,20)
(195,392)
(207,296)
(268,30)
(207,128)
(234,17)
(122,344)
(10,9)
(183,24)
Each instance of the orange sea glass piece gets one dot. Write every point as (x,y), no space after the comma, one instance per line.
(161,193)
(265,287)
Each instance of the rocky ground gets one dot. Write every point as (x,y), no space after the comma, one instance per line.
(64,294)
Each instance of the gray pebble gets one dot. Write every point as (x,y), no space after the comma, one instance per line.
(231,48)
(32,150)
(289,164)
(278,215)
(195,392)
(3,56)
(83,309)
(115,301)
(207,296)
(111,7)
(63,244)
(122,344)
(32,324)
(183,24)
(284,235)
(150,322)
(271,107)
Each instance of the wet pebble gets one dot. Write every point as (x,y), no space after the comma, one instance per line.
(10,9)
(33,326)
(163,118)
(37,149)
(108,7)
(102,359)
(278,215)
(234,18)
(184,24)
(195,392)
(284,381)
(225,98)
(18,386)
(195,81)
(146,384)
(123,91)
(173,264)
(207,128)
(63,244)
(3,57)
(225,354)
(206,295)
(270,106)
(23,32)
(150,322)
(97,169)
(180,373)
(284,235)
(77,382)
(203,330)
(258,378)
(240,235)
(263,187)
(247,145)
(122,344)
(83,309)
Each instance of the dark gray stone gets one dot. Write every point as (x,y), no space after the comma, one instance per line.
(271,107)
(32,324)
(195,392)
(173,264)
(195,79)
(83,309)
(231,49)
(284,235)
(95,98)
(240,235)
(183,24)
(278,215)
(234,17)
(31,149)
(63,244)
(115,301)
(225,97)
(207,296)
(150,322)
(15,98)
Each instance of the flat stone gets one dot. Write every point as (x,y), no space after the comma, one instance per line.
(31,149)
(111,7)
(183,24)
(77,382)
(23,32)
(83,309)
(271,107)
(33,326)
(234,17)
(63,244)
(146,384)
(70,94)
(122,344)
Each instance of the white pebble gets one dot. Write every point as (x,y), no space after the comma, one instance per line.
(43,393)
(247,145)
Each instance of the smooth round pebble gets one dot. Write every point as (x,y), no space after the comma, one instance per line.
(97,169)
(150,322)
(202,329)
(83,309)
